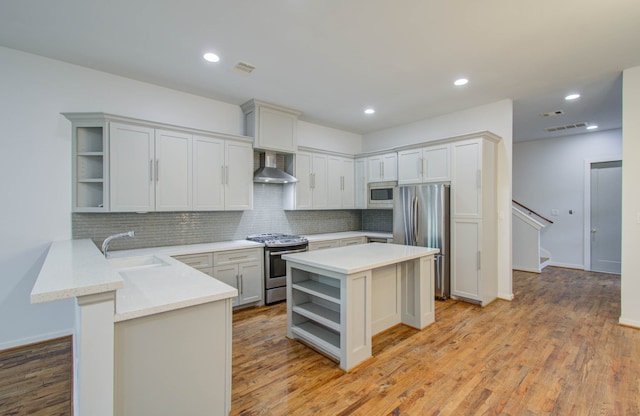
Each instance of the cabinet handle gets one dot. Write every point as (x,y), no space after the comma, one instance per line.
(157,170)
(222,175)
(238,283)
(241,285)
(238,257)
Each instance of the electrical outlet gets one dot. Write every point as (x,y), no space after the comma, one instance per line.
(555,212)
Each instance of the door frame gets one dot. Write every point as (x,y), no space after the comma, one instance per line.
(586,233)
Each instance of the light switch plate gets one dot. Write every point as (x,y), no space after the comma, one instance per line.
(555,212)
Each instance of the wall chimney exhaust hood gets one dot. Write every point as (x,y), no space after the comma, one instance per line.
(269,173)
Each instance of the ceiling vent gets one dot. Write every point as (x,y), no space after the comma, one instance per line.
(565,127)
(244,68)
(553,113)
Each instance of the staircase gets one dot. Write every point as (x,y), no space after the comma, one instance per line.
(527,226)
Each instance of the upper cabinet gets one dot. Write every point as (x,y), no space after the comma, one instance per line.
(360,183)
(128,165)
(340,183)
(325,181)
(423,165)
(382,168)
(273,127)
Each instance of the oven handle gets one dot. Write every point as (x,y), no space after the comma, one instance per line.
(279,253)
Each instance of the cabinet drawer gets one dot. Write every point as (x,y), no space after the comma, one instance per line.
(236,256)
(197,261)
(321,245)
(352,241)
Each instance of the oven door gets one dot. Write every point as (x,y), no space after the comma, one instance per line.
(275,272)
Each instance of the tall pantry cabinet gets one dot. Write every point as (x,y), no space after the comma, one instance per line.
(474,225)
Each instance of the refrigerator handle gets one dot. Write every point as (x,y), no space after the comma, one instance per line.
(414,220)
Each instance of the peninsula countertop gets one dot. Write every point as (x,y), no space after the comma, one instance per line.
(357,258)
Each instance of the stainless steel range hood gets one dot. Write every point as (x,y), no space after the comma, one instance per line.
(269,173)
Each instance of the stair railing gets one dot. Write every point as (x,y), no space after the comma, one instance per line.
(531,212)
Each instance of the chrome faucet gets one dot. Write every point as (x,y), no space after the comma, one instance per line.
(105,243)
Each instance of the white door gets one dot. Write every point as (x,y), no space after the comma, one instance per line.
(606,216)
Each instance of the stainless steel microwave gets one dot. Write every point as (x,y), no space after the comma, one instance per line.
(380,195)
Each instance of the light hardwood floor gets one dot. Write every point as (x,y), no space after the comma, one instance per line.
(556,349)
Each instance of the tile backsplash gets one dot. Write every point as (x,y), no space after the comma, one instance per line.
(157,229)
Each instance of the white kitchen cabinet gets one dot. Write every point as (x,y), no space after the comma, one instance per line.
(474,220)
(241,269)
(90,164)
(340,242)
(173,176)
(132,168)
(340,182)
(323,245)
(382,168)
(424,165)
(273,127)
(150,169)
(122,164)
(310,192)
(201,261)
(360,183)
(223,174)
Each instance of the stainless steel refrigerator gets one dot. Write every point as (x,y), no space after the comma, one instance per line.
(421,218)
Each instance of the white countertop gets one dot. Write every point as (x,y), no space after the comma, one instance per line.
(187,249)
(354,259)
(347,234)
(74,268)
(148,291)
(77,268)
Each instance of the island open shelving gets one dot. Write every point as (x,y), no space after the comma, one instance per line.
(330,295)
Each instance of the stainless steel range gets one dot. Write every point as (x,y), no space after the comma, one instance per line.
(275,269)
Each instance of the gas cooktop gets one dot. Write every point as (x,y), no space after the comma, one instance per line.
(276,239)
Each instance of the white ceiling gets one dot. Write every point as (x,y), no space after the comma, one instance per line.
(331,59)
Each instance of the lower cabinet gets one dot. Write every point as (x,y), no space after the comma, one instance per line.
(341,242)
(473,264)
(241,269)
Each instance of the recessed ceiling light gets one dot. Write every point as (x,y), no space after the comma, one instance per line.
(571,97)
(460,82)
(592,126)
(369,111)
(211,57)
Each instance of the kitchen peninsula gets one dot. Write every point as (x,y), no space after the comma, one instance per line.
(339,298)
(139,318)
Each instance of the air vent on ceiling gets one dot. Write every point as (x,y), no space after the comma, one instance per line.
(553,113)
(565,127)
(244,68)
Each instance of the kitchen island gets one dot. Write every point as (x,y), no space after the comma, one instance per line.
(338,298)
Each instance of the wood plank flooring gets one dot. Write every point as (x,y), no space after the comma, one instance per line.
(556,349)
(37,379)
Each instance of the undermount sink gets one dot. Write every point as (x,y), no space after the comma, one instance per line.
(140,262)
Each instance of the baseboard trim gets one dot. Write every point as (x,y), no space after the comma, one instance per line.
(629,322)
(504,296)
(567,265)
(18,343)
(526,269)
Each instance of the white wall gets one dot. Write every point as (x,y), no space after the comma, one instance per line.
(35,168)
(630,289)
(549,174)
(497,118)
(327,138)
